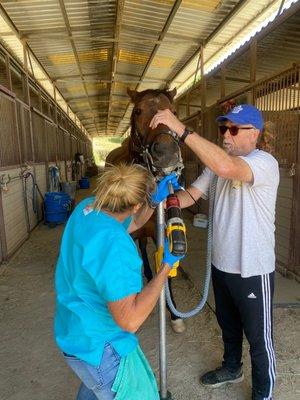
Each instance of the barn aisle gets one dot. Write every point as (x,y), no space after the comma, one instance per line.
(32,368)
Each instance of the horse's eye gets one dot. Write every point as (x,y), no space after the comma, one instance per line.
(137,111)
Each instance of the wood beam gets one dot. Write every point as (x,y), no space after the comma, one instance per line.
(102,39)
(253,62)
(223,81)
(114,57)
(68,28)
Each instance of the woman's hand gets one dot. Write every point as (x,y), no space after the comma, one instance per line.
(168,257)
(162,190)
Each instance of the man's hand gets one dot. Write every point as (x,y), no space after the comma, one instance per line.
(166,117)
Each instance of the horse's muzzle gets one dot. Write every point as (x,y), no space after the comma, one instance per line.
(165,154)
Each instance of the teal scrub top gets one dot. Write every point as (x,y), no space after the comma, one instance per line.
(98,263)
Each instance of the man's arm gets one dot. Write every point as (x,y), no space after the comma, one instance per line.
(130,312)
(211,155)
(185,199)
(218,160)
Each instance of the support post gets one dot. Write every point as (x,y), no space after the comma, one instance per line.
(253,61)
(164,394)
(188,110)
(223,81)
(8,73)
(27,97)
(203,91)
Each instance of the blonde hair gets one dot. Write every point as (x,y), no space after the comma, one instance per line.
(123,186)
(266,139)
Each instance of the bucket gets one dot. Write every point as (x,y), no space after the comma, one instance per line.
(84,182)
(200,221)
(57,207)
(69,188)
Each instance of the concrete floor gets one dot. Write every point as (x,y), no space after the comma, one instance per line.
(32,368)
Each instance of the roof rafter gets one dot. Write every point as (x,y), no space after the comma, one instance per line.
(68,27)
(56,36)
(114,57)
(210,37)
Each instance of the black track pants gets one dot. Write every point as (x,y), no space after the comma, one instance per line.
(245,305)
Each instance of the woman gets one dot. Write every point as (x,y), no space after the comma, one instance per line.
(98,281)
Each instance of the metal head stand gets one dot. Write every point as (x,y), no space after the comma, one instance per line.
(164,393)
(169,396)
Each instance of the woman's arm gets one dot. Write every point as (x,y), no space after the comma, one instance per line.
(130,312)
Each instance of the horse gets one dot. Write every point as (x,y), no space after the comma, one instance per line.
(157,149)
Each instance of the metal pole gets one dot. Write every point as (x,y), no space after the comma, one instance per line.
(164,394)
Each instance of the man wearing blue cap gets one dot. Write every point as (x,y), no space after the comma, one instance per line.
(243,255)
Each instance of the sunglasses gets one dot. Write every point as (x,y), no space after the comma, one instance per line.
(233,130)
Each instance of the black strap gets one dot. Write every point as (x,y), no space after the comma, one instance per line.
(186,132)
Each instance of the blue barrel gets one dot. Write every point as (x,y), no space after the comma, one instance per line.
(84,182)
(57,207)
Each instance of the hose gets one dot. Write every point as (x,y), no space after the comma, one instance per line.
(35,192)
(198,308)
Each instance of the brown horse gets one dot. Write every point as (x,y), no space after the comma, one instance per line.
(157,149)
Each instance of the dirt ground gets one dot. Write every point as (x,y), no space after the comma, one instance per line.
(32,368)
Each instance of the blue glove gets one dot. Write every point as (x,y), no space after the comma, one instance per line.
(162,189)
(168,257)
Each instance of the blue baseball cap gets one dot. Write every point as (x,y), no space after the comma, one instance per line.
(244,114)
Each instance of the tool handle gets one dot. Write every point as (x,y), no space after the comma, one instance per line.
(177,240)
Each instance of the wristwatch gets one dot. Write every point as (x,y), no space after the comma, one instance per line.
(186,132)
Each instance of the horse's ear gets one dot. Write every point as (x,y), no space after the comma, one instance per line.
(132,94)
(172,93)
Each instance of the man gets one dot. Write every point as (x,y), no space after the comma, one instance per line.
(243,255)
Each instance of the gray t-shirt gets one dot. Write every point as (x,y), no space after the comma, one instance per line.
(244,217)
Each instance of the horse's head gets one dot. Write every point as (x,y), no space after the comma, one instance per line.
(158,147)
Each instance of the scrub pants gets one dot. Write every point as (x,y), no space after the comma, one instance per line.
(96,381)
(245,305)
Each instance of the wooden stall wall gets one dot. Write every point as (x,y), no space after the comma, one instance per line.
(284,219)
(15,224)
(279,99)
(31,141)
